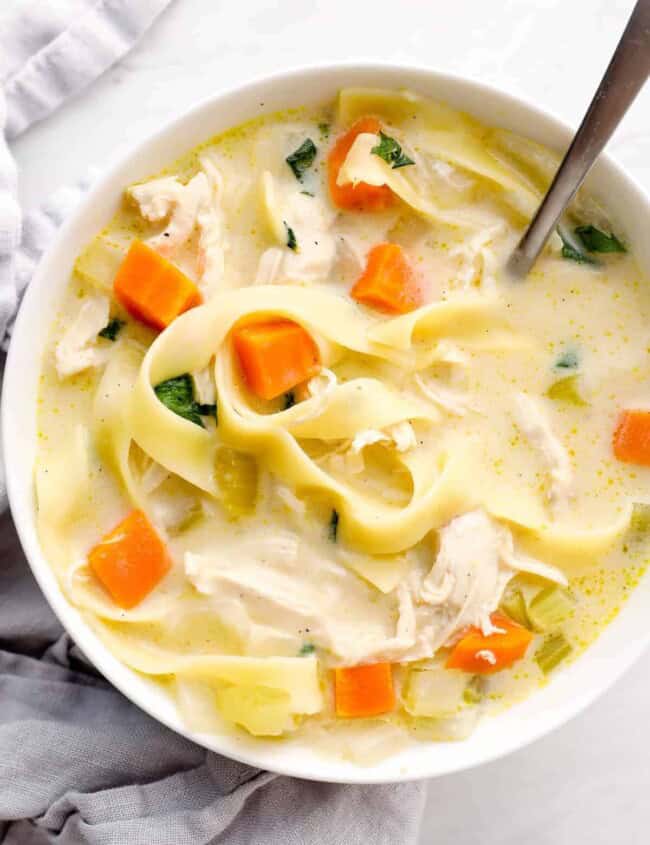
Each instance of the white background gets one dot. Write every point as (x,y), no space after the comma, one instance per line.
(590,781)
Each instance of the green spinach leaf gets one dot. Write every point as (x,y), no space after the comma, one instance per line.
(596,241)
(112,329)
(391,152)
(567,361)
(333,527)
(292,243)
(571,251)
(302,158)
(177,394)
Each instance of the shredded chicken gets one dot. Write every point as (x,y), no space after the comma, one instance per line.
(269,266)
(156,198)
(478,262)
(204,387)
(310,219)
(537,428)
(403,436)
(400,436)
(368,438)
(255,579)
(186,207)
(209,219)
(160,199)
(476,560)
(78,349)
(318,388)
(449,400)
(466,575)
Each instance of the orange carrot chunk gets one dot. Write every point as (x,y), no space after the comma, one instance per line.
(632,438)
(388,283)
(153,289)
(364,690)
(275,356)
(362,196)
(483,655)
(130,560)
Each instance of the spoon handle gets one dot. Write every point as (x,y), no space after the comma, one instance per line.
(623,79)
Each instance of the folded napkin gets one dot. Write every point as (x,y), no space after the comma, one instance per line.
(78,762)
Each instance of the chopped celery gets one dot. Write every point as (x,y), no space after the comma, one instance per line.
(237,480)
(566,390)
(640,519)
(99,262)
(447,729)
(436,692)
(261,710)
(553,651)
(473,693)
(513,604)
(550,607)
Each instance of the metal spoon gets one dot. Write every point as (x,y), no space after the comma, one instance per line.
(623,79)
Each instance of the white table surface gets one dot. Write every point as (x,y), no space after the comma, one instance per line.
(589,782)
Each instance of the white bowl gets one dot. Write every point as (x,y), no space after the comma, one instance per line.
(571,690)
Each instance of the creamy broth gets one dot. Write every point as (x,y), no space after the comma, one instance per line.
(448,454)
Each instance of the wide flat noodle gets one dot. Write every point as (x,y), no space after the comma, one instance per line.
(572,548)
(62,490)
(189,451)
(438,130)
(362,165)
(297,676)
(111,411)
(462,317)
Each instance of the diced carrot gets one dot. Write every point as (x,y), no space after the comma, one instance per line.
(388,283)
(359,197)
(632,438)
(275,356)
(482,655)
(153,289)
(130,560)
(364,690)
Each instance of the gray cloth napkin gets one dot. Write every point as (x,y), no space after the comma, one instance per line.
(78,762)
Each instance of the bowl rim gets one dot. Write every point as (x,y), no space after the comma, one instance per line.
(24,516)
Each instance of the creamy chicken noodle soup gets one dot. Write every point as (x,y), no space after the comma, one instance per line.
(312,462)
